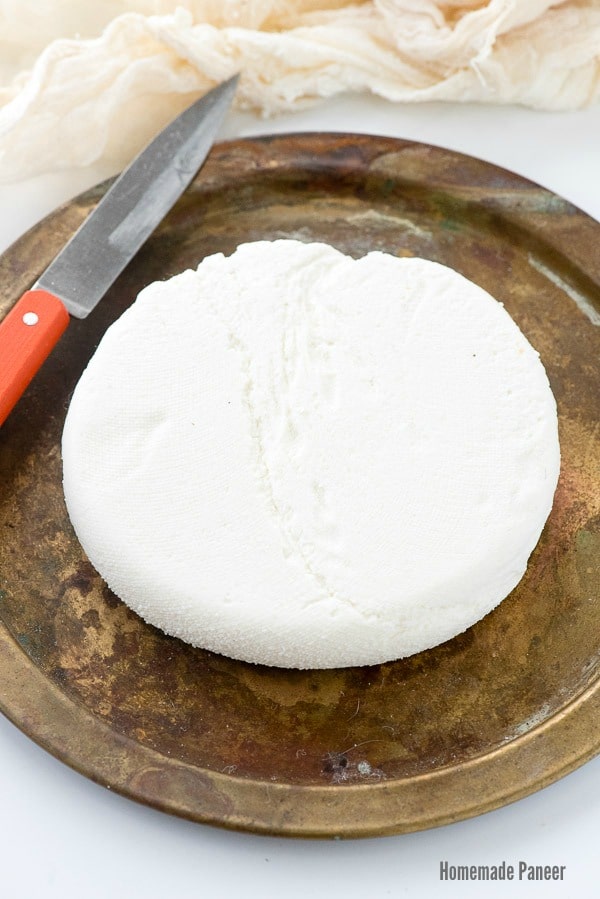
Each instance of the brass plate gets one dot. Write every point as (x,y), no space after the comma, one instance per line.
(502,710)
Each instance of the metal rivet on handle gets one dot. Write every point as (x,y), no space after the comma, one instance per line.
(31,318)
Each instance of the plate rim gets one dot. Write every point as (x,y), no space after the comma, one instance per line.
(28,697)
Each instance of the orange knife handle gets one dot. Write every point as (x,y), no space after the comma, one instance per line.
(27,335)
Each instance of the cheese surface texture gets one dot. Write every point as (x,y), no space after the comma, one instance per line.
(295,458)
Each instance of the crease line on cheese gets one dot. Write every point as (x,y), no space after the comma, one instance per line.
(297,339)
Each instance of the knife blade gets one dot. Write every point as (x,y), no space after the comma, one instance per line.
(78,278)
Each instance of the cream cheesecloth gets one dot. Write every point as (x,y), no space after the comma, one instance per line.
(81,82)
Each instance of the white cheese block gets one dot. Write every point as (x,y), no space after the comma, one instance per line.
(296,458)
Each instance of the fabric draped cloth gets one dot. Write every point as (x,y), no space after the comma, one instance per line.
(82,82)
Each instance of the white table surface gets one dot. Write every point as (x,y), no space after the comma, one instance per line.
(63,836)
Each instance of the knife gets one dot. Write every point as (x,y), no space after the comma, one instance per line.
(77,279)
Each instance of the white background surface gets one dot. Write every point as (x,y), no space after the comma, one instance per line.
(63,836)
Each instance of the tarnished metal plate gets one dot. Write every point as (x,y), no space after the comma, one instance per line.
(496,713)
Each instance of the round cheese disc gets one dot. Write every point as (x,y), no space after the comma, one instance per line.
(295,458)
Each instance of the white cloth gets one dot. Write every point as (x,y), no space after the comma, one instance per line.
(80,82)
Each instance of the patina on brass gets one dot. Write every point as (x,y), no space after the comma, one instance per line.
(500,711)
